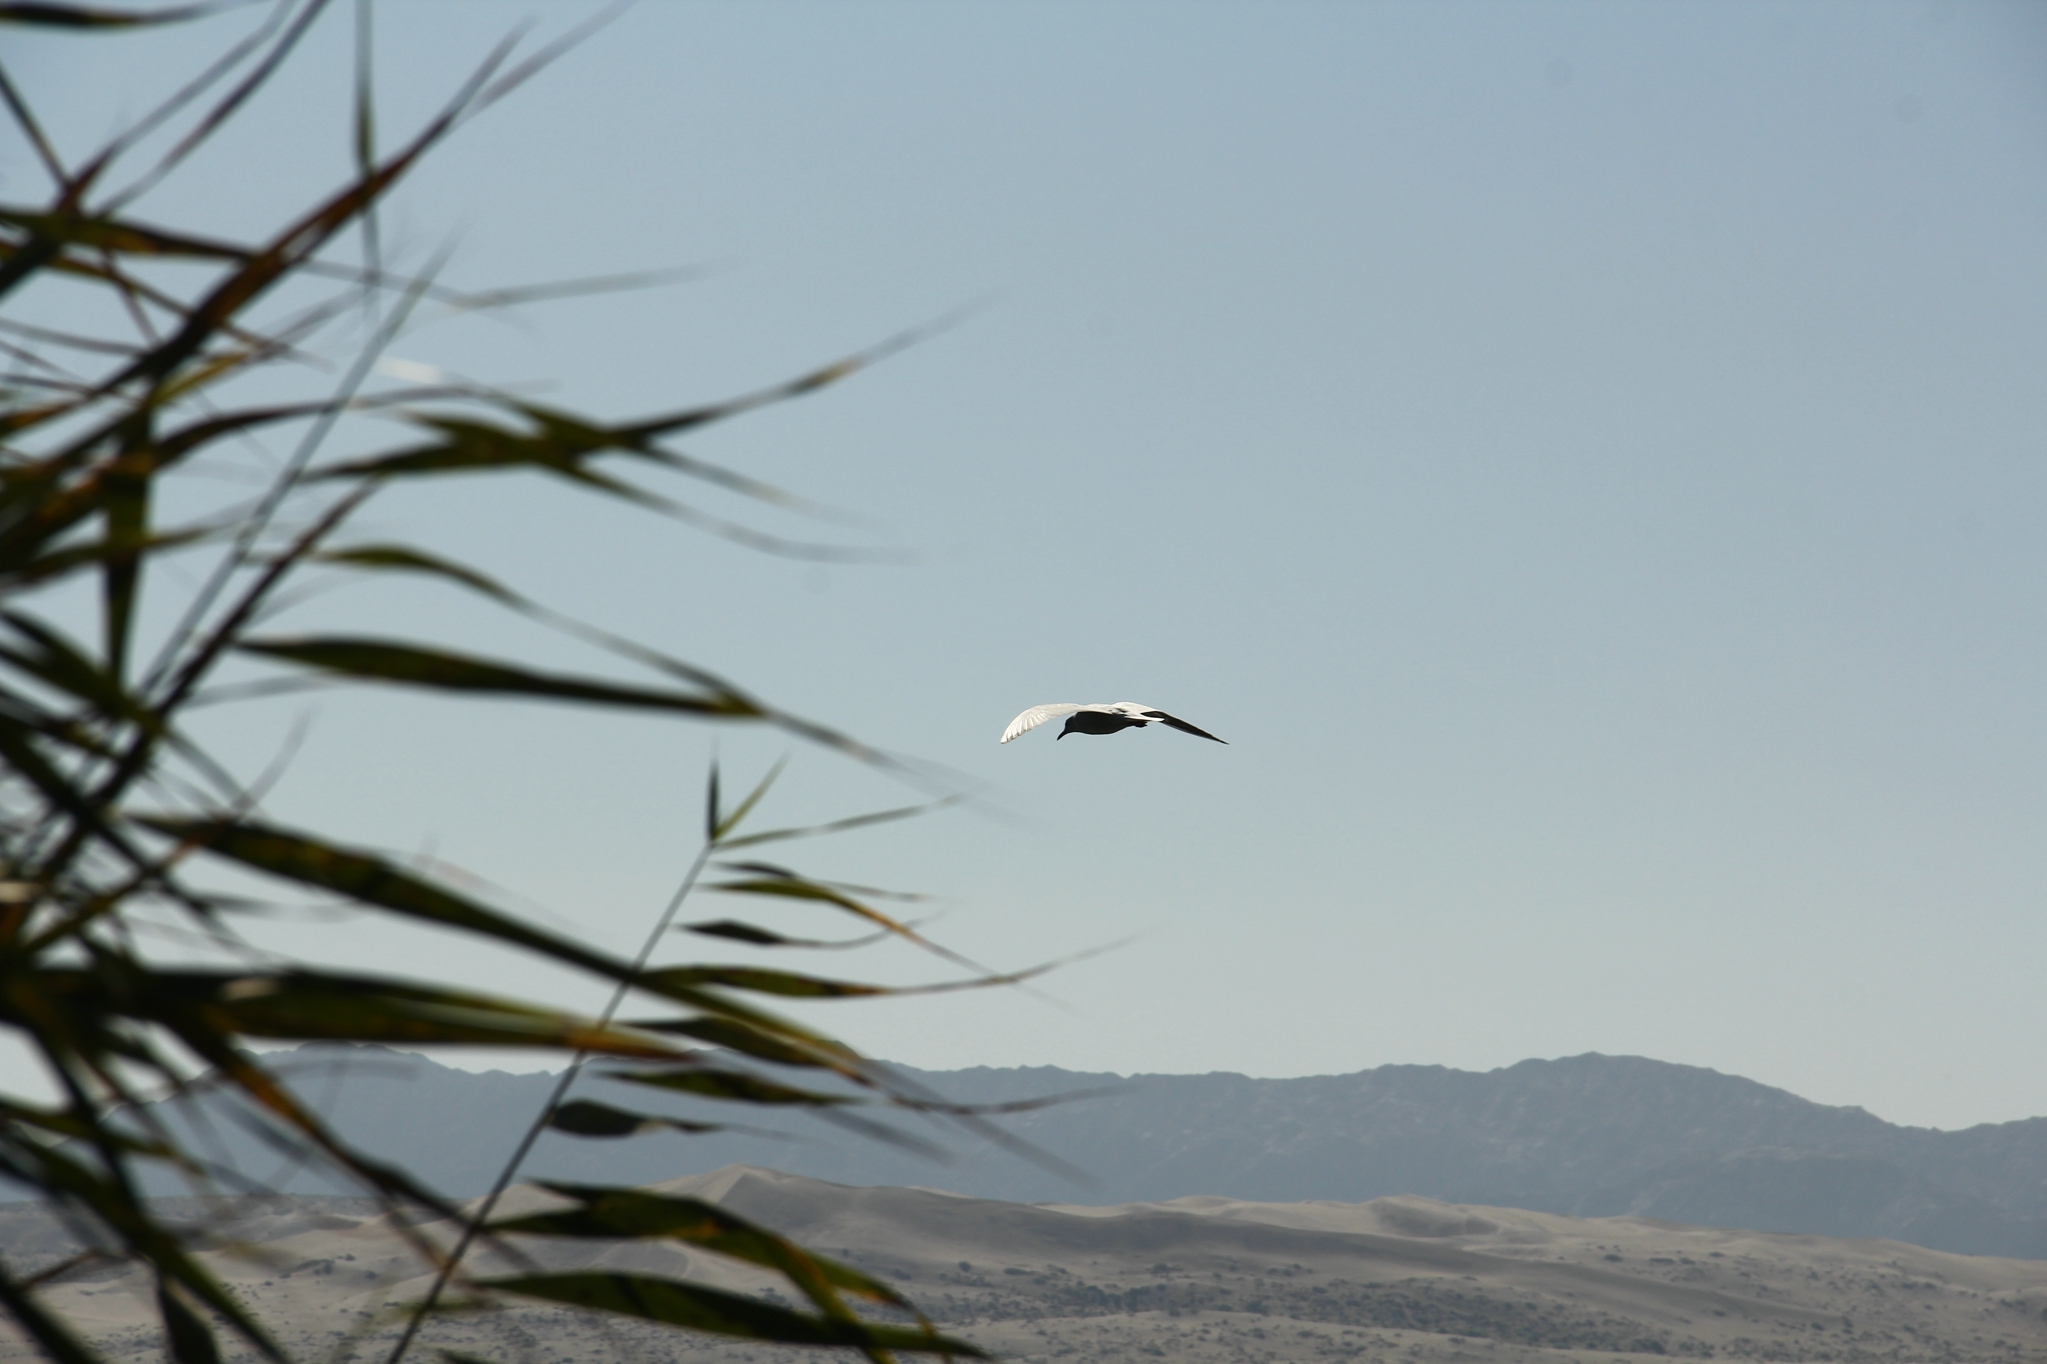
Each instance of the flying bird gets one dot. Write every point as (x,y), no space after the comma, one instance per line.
(1099,719)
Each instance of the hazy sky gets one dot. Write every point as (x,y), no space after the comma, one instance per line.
(1589,461)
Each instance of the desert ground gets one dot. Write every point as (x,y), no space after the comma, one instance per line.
(1195,1279)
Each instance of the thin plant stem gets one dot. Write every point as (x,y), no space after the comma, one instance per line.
(568,1077)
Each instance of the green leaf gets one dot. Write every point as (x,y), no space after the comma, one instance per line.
(712,817)
(60,1178)
(761,937)
(840,825)
(299,241)
(302,1006)
(735,1086)
(190,1340)
(713,1310)
(678,980)
(92,16)
(410,665)
(52,1334)
(370,880)
(58,562)
(127,517)
(739,932)
(765,982)
(111,235)
(68,1125)
(310,1006)
(726,825)
(608,1213)
(51,658)
(774,881)
(585,1118)
(398,558)
(747,1041)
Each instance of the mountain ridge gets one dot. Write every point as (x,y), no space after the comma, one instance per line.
(1585,1136)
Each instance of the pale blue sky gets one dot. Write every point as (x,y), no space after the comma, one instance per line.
(1586,459)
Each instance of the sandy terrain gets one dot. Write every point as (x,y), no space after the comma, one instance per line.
(1194,1279)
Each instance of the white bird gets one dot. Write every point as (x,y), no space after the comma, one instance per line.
(1098,718)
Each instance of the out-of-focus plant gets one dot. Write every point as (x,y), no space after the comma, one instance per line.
(110,807)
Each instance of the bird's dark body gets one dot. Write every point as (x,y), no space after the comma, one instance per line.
(1096,722)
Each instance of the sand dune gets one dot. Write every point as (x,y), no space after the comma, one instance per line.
(1193,1278)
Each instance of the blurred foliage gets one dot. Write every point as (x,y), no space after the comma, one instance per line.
(111,810)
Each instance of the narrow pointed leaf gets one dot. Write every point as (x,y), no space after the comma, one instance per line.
(731,1085)
(370,880)
(761,937)
(399,558)
(189,1340)
(94,16)
(766,982)
(120,238)
(56,563)
(410,665)
(724,1032)
(721,1313)
(711,807)
(52,1335)
(587,1118)
(745,807)
(611,1213)
(127,518)
(312,1006)
(839,825)
(774,881)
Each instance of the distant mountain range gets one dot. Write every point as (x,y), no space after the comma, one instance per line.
(1588,1136)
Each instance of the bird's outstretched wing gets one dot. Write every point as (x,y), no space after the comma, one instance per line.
(1037,715)
(1180,725)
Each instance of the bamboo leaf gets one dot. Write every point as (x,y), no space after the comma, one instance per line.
(127,521)
(410,665)
(59,663)
(399,558)
(58,1176)
(787,885)
(747,1041)
(303,1005)
(52,1334)
(587,1118)
(714,1310)
(57,563)
(298,241)
(121,238)
(731,1085)
(370,880)
(766,982)
(745,807)
(189,1339)
(607,1213)
(761,937)
(737,931)
(840,825)
(93,16)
